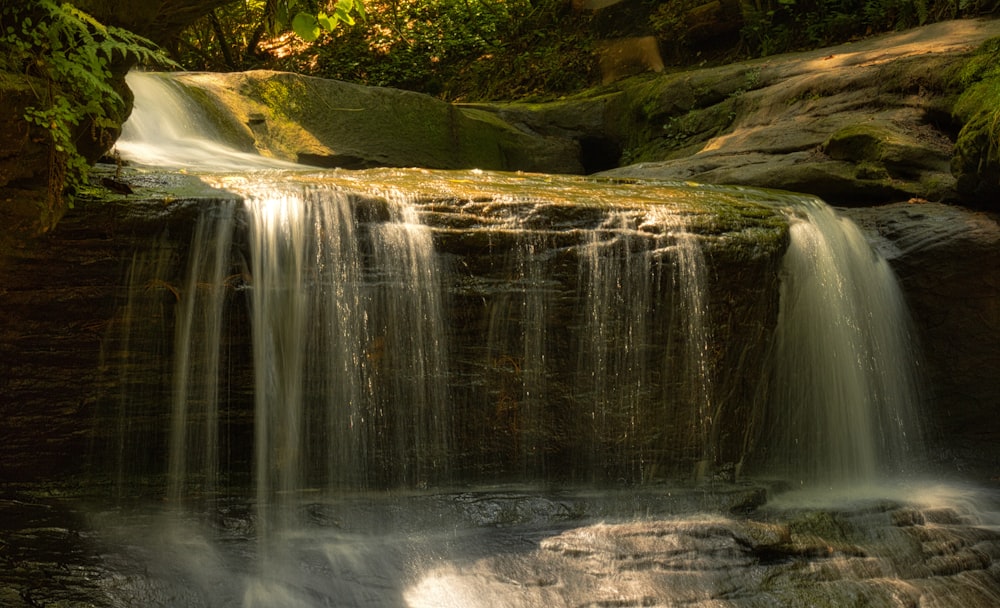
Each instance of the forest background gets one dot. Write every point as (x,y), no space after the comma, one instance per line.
(477,50)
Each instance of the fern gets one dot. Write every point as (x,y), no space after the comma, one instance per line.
(72,55)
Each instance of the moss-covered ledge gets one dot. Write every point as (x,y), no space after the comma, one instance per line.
(976,161)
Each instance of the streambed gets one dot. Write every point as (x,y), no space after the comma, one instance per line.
(721,545)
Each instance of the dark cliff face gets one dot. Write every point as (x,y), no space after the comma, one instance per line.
(87,359)
(59,296)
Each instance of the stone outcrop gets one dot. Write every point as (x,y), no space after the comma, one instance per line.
(861,123)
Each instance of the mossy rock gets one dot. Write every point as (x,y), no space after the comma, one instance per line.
(901,154)
(329,123)
(976,160)
(858,143)
(976,163)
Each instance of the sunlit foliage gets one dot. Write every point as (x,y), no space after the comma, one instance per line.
(456,49)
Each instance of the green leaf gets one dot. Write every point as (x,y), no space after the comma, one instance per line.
(326,22)
(343,10)
(343,16)
(306,27)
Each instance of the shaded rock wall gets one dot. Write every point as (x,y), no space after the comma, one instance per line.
(59,294)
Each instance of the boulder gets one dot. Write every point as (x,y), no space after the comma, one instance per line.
(328,123)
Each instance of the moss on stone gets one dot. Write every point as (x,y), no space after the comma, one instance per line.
(976,160)
(862,142)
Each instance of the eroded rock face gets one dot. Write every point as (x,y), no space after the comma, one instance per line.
(518,260)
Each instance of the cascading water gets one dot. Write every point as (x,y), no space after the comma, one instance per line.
(194,448)
(416,337)
(169,128)
(844,384)
(622,271)
(347,346)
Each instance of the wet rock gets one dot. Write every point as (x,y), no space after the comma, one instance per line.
(705,560)
(81,348)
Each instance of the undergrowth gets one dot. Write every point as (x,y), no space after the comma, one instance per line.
(71,62)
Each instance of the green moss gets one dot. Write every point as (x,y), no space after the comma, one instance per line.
(869,170)
(976,160)
(984,64)
(862,142)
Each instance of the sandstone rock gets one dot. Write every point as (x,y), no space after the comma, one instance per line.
(797,121)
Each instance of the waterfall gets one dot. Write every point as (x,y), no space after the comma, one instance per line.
(194,434)
(644,341)
(609,373)
(844,392)
(408,387)
(169,127)
(348,346)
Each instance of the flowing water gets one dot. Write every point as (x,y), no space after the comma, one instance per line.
(845,371)
(546,423)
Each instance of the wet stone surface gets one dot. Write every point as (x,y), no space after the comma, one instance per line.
(48,557)
(517,548)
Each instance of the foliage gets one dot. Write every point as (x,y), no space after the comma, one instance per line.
(457,49)
(72,55)
(229,38)
(251,33)
(777,26)
(462,49)
(308,25)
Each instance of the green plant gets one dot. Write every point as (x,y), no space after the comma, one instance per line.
(69,57)
(308,25)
